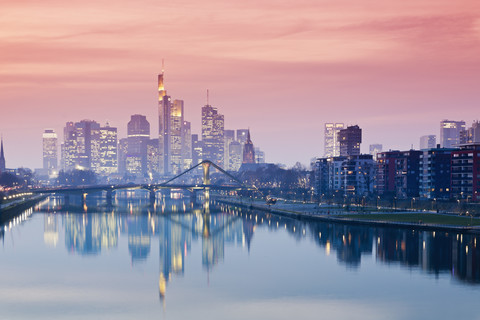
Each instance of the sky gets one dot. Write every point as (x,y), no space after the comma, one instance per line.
(280,68)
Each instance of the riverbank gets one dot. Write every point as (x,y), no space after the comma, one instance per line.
(15,207)
(398,219)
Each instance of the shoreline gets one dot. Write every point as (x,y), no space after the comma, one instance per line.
(347,220)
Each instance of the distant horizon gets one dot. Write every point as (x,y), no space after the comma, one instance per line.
(283,70)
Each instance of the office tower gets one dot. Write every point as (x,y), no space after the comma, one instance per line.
(187,145)
(79,138)
(235,155)
(248,150)
(229,137)
(242,136)
(106,155)
(2,159)
(153,160)
(450,133)
(122,155)
(213,135)
(50,155)
(259,155)
(138,134)
(332,143)
(428,141)
(375,149)
(164,106)
(197,150)
(350,139)
(471,135)
(175,135)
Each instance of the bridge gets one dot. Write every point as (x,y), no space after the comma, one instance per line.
(172,183)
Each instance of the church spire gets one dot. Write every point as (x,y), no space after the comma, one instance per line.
(2,158)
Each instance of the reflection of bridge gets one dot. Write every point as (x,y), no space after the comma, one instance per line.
(206,185)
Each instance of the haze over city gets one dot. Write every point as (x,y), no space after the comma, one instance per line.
(282,69)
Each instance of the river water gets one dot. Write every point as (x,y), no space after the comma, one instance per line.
(181,260)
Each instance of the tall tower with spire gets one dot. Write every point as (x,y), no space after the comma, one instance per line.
(248,150)
(164,106)
(2,158)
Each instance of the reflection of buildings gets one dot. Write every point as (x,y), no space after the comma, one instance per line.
(90,233)
(50,230)
(139,237)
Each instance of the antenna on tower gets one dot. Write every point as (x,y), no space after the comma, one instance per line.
(163,66)
(207,98)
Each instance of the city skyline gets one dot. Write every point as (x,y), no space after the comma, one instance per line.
(89,67)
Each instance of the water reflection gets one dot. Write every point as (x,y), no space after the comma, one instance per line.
(177,223)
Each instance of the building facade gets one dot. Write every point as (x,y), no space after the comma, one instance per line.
(450,133)
(428,142)
(213,135)
(50,151)
(466,172)
(350,140)
(331,139)
(435,173)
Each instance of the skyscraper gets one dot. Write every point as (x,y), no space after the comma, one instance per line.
(350,139)
(471,135)
(213,135)
(375,149)
(138,134)
(332,143)
(175,134)
(164,106)
(197,150)
(242,136)
(80,144)
(248,150)
(50,155)
(235,155)
(187,145)
(106,158)
(428,141)
(2,158)
(229,137)
(450,132)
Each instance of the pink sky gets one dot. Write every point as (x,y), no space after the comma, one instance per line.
(282,68)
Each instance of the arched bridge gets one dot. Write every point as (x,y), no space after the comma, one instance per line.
(169,184)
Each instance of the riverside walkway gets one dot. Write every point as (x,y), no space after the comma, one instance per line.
(334,214)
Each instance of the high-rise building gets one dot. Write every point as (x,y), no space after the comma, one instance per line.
(80,144)
(164,106)
(187,145)
(138,135)
(242,136)
(428,141)
(350,139)
(213,135)
(450,133)
(152,157)
(174,155)
(471,135)
(50,154)
(106,157)
(331,142)
(259,155)
(235,155)
(171,135)
(248,150)
(122,155)
(375,149)
(197,150)
(229,137)
(2,158)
